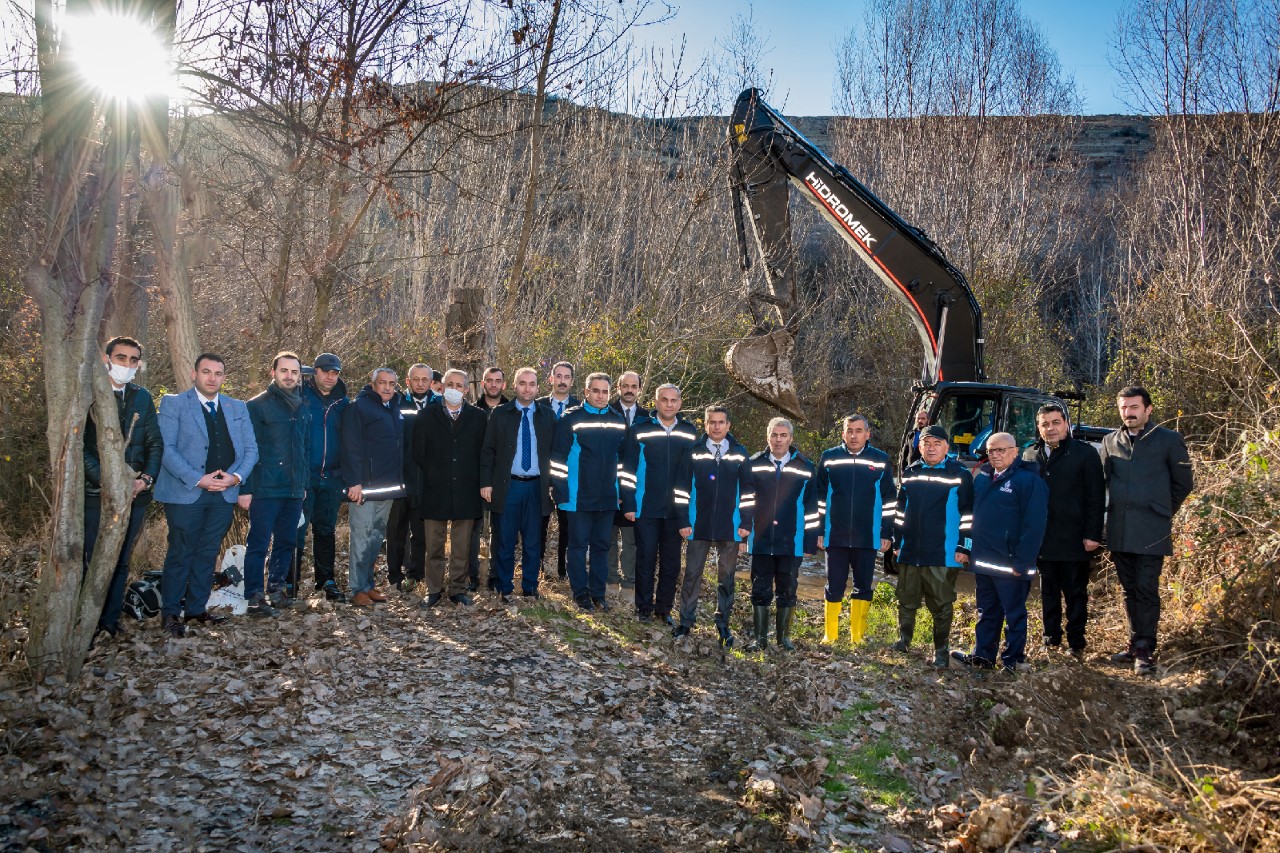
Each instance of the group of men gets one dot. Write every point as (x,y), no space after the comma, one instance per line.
(421,469)
(1041,513)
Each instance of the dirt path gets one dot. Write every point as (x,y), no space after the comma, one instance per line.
(531,727)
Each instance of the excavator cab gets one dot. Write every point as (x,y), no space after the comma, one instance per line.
(971,412)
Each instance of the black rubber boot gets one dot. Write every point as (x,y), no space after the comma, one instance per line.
(760,615)
(785,614)
(905,633)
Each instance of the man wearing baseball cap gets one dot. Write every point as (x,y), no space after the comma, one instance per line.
(325,395)
(935,512)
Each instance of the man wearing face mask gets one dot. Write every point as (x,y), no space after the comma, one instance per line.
(447,442)
(143,447)
(406,536)
(273,493)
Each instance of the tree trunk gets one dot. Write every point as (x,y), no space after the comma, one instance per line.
(516,273)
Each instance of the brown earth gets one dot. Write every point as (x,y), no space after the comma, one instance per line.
(537,727)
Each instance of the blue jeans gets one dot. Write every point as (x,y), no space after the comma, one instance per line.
(861,562)
(589,530)
(1001,602)
(195,537)
(114,604)
(273,523)
(520,516)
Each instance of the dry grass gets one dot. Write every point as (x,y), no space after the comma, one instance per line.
(1149,796)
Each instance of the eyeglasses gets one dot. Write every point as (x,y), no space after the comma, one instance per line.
(1000,449)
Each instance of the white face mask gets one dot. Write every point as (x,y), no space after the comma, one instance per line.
(120,374)
(452,397)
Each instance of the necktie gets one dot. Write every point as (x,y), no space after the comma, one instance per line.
(559,408)
(526,441)
(453,413)
(631,413)
(212,407)
(777,464)
(717,453)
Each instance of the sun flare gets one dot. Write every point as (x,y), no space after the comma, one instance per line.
(120,56)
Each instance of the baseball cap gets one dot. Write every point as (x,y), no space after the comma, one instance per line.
(937,432)
(328,361)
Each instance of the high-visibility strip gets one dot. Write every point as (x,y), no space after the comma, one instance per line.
(382,490)
(995,567)
(762,469)
(890,505)
(599,425)
(563,475)
(681,492)
(733,457)
(805,474)
(559,466)
(929,478)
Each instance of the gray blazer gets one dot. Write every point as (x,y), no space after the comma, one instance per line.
(1148,478)
(186,444)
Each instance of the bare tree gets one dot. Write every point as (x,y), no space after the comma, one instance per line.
(84,140)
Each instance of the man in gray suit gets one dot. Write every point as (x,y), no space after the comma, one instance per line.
(1148,477)
(209,448)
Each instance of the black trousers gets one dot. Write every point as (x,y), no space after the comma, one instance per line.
(771,573)
(562,541)
(1140,578)
(657,557)
(405,528)
(113,606)
(1064,580)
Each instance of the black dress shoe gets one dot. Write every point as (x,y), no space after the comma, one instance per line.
(472,586)
(174,628)
(680,631)
(644,617)
(207,618)
(533,594)
(505,598)
(431,600)
(584,604)
(667,620)
(602,604)
(462,598)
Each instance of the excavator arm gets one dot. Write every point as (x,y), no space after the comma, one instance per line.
(769,155)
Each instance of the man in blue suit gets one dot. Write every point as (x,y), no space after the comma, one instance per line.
(209,448)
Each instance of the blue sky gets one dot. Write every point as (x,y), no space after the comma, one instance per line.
(803,35)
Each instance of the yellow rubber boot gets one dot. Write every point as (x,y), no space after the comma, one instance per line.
(832,632)
(858,620)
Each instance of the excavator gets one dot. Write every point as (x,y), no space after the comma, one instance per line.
(768,157)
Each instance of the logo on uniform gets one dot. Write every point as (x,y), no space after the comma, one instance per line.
(1007,488)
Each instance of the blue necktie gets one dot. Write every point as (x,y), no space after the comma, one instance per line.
(777,470)
(559,408)
(212,407)
(526,441)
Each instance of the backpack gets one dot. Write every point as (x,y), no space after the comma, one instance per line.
(142,598)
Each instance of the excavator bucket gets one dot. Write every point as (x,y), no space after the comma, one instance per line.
(762,363)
